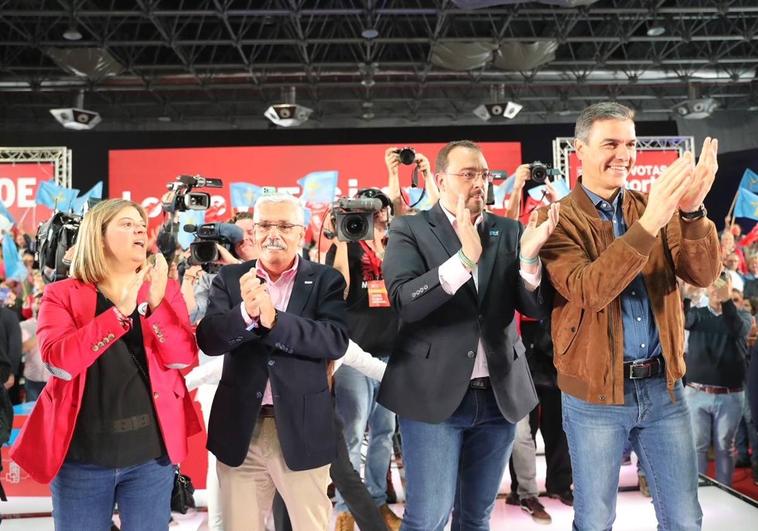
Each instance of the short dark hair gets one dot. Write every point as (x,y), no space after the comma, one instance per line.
(606,110)
(441,162)
(240,215)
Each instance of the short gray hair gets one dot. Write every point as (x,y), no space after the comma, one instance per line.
(280,197)
(606,110)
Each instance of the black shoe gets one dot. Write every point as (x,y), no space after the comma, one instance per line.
(566,497)
(536,509)
(512,499)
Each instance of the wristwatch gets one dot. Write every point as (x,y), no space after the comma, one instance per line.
(692,216)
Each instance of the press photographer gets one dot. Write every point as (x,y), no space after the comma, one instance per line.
(394,157)
(371,323)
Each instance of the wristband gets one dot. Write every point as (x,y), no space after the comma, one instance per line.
(528,261)
(466,261)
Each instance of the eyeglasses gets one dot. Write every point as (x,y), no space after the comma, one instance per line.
(470,175)
(282,228)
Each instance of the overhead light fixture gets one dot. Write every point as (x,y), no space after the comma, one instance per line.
(72,33)
(696,109)
(77,118)
(370,33)
(507,110)
(289,113)
(655,29)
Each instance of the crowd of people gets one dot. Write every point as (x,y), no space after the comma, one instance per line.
(457,331)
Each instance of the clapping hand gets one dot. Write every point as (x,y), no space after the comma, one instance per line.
(157,275)
(535,236)
(256,298)
(702,178)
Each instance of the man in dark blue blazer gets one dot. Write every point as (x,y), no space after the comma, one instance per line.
(458,378)
(278,321)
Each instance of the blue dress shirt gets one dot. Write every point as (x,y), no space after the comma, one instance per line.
(641,339)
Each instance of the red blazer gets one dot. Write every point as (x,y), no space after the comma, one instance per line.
(71,338)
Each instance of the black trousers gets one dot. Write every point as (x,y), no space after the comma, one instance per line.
(547,417)
(353,490)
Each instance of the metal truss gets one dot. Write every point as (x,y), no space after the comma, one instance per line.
(564,146)
(225,61)
(59,157)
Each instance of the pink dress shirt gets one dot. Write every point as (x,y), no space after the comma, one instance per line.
(280,292)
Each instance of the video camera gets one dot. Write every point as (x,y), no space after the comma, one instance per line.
(540,171)
(54,237)
(184,198)
(203,250)
(353,219)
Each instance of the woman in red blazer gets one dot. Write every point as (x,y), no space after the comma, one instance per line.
(116,414)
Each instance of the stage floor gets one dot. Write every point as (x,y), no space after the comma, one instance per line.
(722,510)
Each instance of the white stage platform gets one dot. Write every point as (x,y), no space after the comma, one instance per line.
(722,510)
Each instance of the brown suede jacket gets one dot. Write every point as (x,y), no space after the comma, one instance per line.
(589,269)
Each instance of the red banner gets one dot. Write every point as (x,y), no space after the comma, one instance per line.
(18,188)
(142,174)
(650,164)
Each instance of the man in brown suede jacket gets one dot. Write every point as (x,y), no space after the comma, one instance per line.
(617,317)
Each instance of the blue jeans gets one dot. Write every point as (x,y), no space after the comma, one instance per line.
(718,415)
(84,496)
(661,436)
(355,398)
(457,464)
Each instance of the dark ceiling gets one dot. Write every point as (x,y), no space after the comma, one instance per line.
(199,64)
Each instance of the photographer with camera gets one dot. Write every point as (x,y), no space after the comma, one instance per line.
(372,324)
(116,414)
(393,158)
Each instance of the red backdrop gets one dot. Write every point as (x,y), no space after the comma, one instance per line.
(142,174)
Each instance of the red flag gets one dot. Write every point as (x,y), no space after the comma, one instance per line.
(749,238)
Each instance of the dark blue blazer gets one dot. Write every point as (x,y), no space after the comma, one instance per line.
(433,359)
(293,355)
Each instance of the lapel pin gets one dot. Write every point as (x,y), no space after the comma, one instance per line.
(307,282)
(494,232)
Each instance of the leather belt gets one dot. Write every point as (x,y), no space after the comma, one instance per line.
(479,383)
(637,370)
(267,411)
(714,389)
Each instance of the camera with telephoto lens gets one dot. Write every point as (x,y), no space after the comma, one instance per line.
(203,250)
(540,171)
(353,219)
(184,198)
(407,155)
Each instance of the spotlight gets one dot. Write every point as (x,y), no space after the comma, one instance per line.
(289,113)
(696,108)
(507,110)
(77,117)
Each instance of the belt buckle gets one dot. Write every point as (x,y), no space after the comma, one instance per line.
(641,365)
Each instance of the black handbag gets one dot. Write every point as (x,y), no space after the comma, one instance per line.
(181,496)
